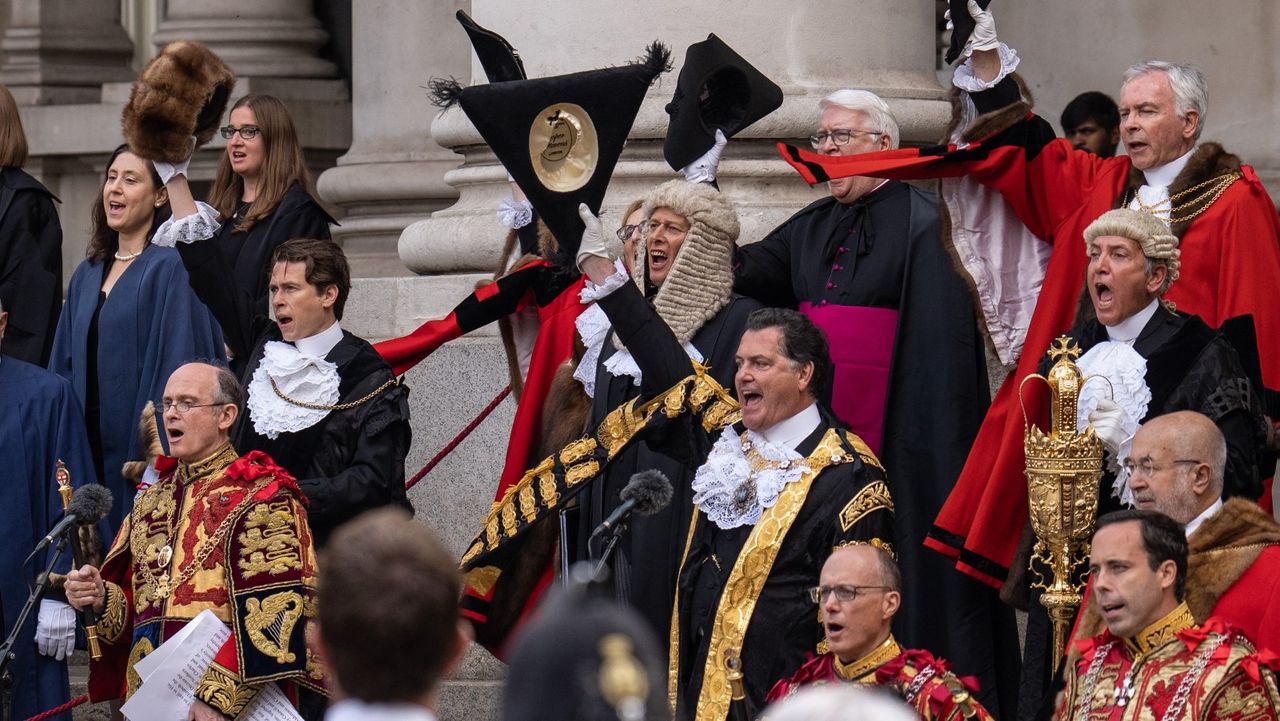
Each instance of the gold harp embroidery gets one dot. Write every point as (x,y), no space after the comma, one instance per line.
(270,623)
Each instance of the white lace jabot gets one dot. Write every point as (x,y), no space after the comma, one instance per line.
(201,225)
(1126,370)
(742,477)
(301,376)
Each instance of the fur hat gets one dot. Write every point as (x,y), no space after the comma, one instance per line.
(182,92)
(1148,231)
(701,278)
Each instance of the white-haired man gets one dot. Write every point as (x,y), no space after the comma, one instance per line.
(867,266)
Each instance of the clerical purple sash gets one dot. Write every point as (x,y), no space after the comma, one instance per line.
(861,342)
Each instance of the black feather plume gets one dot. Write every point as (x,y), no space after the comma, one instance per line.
(445,93)
(657,60)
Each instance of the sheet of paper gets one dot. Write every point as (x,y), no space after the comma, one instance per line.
(156,659)
(270,705)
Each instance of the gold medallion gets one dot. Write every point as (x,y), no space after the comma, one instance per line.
(563,147)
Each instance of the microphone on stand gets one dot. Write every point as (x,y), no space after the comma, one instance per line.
(645,494)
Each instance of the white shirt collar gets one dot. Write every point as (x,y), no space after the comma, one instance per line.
(1162,176)
(1128,330)
(1206,515)
(319,345)
(792,431)
(355,710)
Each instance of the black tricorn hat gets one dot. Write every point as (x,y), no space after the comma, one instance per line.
(560,137)
(500,61)
(962,26)
(717,88)
(182,92)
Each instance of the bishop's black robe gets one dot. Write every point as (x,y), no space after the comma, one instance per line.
(877,270)
(40,424)
(30,266)
(647,557)
(350,461)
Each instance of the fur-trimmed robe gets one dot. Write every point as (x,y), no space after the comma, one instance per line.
(1233,566)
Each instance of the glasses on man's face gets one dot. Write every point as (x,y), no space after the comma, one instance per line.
(844,594)
(840,137)
(1147,468)
(185,406)
(626,231)
(248,132)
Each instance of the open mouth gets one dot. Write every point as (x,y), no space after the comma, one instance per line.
(750,399)
(1103,293)
(657,259)
(238,155)
(174,434)
(115,208)
(1111,609)
(284,322)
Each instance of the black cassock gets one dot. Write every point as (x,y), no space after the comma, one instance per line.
(646,559)
(30,266)
(879,254)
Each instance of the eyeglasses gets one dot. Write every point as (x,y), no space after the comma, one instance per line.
(185,406)
(627,230)
(654,226)
(844,594)
(1147,468)
(839,137)
(248,132)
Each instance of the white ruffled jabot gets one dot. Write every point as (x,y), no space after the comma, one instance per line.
(1126,369)
(730,491)
(301,377)
(201,225)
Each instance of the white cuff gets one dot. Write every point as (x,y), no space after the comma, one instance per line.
(965,79)
(591,292)
(201,225)
(515,213)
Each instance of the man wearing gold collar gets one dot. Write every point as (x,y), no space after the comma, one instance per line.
(218,532)
(859,593)
(1153,661)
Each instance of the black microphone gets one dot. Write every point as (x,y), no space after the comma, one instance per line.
(89,504)
(646,493)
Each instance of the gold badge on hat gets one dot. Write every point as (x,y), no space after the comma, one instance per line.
(563,147)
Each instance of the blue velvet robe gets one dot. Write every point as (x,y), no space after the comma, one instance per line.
(150,324)
(40,423)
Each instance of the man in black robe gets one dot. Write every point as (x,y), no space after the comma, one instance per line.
(774,494)
(868,266)
(321,401)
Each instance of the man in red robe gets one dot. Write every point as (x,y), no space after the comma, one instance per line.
(1014,180)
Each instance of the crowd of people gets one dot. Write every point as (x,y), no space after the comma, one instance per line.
(846,530)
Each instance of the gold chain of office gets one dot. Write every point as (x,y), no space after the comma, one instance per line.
(1203,194)
(337,406)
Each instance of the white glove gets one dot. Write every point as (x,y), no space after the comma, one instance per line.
(983,36)
(595,241)
(703,170)
(55,629)
(167,171)
(1108,421)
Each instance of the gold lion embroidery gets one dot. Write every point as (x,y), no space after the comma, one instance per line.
(872,497)
(270,623)
(269,543)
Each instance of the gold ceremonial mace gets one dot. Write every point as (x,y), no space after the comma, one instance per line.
(1063,470)
(63,477)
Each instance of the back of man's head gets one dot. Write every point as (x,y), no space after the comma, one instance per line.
(388,608)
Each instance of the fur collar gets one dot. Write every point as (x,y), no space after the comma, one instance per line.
(988,124)
(1208,161)
(1220,551)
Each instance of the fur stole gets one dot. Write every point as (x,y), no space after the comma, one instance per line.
(1207,162)
(988,124)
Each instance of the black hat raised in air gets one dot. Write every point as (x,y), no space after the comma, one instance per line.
(717,88)
(560,137)
(500,61)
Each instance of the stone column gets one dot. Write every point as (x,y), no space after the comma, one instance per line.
(265,38)
(810,49)
(393,173)
(62,51)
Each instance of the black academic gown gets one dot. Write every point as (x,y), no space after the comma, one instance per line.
(884,251)
(647,557)
(40,424)
(30,266)
(350,461)
(1190,367)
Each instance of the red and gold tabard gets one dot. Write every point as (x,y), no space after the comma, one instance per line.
(1172,670)
(924,682)
(224,534)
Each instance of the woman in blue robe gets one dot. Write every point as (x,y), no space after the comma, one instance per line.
(129,321)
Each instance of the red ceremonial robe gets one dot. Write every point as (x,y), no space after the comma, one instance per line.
(1230,263)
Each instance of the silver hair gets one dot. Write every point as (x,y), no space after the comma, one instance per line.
(843,702)
(1190,89)
(882,121)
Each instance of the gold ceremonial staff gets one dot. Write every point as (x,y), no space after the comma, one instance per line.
(63,477)
(1063,470)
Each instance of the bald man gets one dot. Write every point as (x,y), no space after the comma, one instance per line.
(1176,467)
(859,592)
